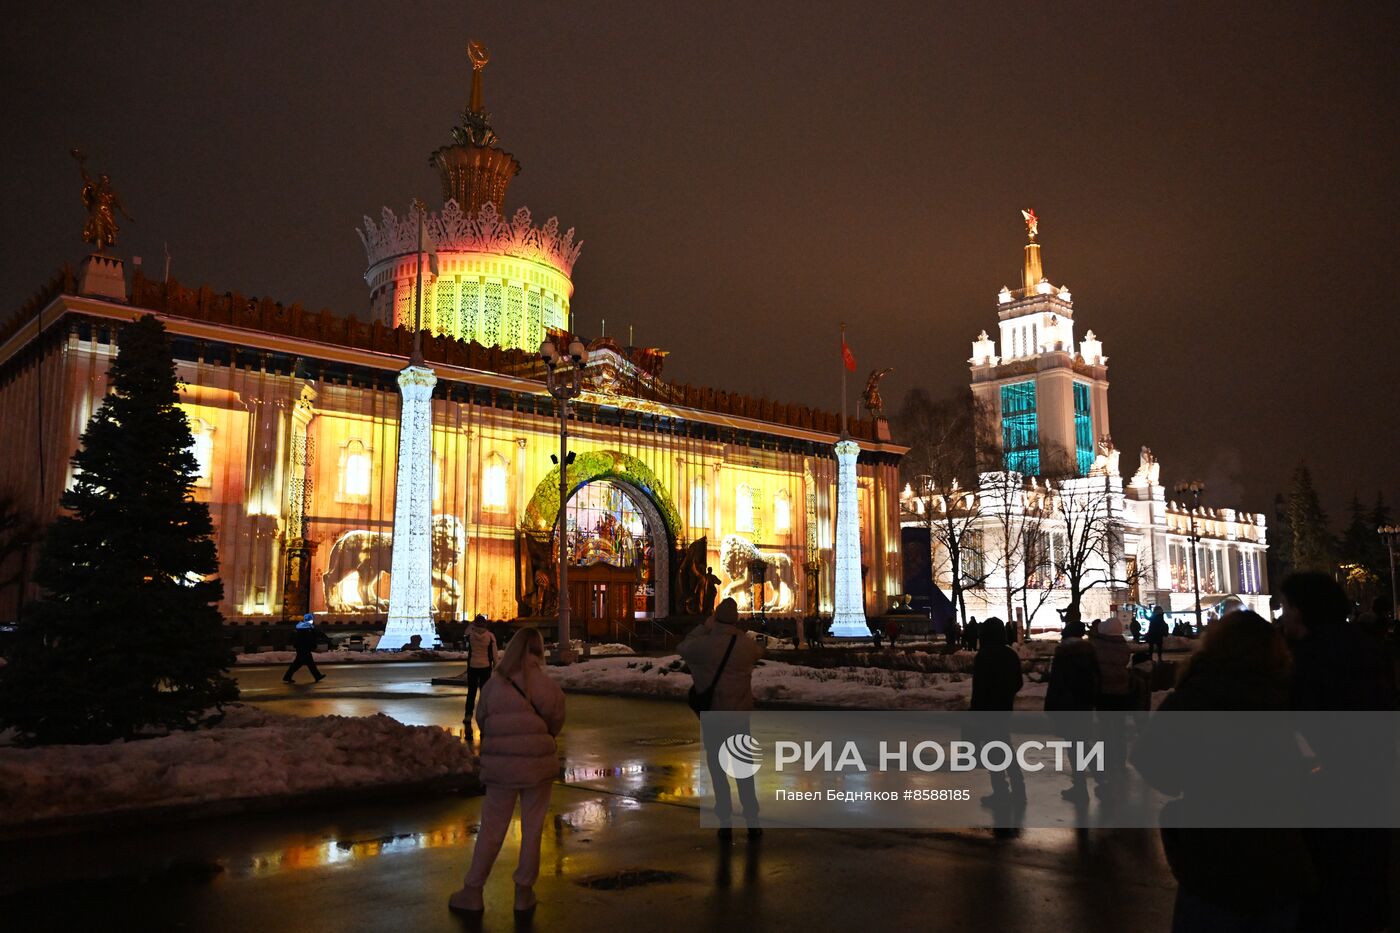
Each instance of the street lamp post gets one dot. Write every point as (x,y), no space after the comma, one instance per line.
(1391,533)
(1194,489)
(563,374)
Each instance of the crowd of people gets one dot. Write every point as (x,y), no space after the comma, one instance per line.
(1257,880)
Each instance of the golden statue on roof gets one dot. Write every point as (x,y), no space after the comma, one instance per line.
(102,203)
(1032,223)
(479,55)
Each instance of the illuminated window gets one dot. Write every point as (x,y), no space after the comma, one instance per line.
(1020,434)
(203,450)
(782,513)
(356,472)
(493,483)
(471,295)
(445,301)
(439,470)
(743,509)
(515,308)
(492,328)
(699,505)
(1083,429)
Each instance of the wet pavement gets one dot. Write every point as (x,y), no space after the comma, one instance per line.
(623,850)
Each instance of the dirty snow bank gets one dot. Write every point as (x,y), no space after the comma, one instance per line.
(250,754)
(791,684)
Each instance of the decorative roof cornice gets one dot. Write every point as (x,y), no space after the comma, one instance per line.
(452,230)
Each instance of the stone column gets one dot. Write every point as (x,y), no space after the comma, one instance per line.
(263,503)
(849,618)
(296,568)
(411,567)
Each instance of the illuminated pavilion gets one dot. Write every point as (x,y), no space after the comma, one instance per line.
(295,416)
(1045,400)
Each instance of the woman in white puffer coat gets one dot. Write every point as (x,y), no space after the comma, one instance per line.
(520,712)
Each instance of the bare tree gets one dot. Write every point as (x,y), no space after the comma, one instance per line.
(1043,576)
(1093,547)
(941,471)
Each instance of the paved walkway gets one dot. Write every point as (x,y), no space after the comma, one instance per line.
(623,851)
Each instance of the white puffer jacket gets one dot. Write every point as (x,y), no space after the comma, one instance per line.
(481,645)
(517,743)
(703,650)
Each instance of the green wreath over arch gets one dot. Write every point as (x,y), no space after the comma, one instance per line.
(543,510)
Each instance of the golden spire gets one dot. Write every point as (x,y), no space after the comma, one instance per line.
(1031,273)
(479,56)
(474,170)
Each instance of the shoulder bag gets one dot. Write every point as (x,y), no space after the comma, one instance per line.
(702,700)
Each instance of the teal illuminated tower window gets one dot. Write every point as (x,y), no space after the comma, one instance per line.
(1020,435)
(1083,429)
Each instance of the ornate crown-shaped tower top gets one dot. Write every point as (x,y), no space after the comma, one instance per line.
(474,170)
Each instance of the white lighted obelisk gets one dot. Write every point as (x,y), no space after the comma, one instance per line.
(411,567)
(848,620)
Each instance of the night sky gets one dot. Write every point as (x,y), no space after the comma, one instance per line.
(1217,187)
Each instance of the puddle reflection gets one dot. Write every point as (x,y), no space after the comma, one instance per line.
(338,851)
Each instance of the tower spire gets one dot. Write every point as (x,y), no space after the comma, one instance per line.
(479,57)
(474,169)
(1031,272)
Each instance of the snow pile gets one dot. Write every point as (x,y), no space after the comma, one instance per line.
(250,754)
(790,684)
(610,650)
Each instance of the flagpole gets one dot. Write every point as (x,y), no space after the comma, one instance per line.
(417,358)
(844,431)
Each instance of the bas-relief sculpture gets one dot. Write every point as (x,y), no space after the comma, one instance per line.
(360,560)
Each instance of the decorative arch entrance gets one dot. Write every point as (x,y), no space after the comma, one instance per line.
(622,532)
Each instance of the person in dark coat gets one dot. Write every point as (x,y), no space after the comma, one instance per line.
(305,637)
(1074,685)
(954,634)
(1337,666)
(996,679)
(1230,879)
(1114,655)
(970,634)
(1156,632)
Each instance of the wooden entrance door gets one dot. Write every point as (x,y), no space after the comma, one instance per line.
(601,596)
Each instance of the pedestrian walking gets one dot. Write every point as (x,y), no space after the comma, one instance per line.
(305,637)
(721,657)
(1073,687)
(1156,632)
(996,679)
(481,659)
(520,712)
(970,634)
(1244,880)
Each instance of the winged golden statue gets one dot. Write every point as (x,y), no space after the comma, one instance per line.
(870,397)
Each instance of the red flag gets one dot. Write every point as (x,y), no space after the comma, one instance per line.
(847,356)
